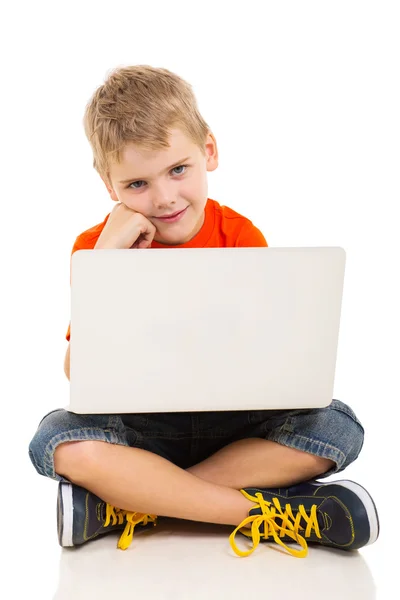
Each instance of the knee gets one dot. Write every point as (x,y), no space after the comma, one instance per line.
(72,459)
(323,465)
(312,465)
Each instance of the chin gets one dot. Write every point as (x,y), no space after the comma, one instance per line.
(173,241)
(178,237)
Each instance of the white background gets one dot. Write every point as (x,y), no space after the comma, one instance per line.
(303,98)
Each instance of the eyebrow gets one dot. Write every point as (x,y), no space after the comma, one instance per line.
(176,164)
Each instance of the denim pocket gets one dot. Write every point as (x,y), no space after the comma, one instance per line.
(132,437)
(135,421)
(255,417)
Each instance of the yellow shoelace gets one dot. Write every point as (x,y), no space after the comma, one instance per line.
(289,526)
(118,515)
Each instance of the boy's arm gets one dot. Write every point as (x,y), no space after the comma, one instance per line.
(66,362)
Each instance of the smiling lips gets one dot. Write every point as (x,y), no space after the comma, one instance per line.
(173,217)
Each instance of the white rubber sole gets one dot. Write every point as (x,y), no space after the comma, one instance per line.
(67,511)
(368,503)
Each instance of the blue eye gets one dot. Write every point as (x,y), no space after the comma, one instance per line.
(180,167)
(141,181)
(134,184)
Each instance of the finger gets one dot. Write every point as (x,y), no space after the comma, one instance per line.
(149,233)
(144,244)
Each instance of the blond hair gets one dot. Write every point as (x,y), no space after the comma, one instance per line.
(140,104)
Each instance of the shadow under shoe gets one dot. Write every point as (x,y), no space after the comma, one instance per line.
(339,514)
(83,516)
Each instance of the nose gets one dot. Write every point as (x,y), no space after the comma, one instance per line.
(162,198)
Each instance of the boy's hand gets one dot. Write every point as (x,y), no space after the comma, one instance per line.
(126,228)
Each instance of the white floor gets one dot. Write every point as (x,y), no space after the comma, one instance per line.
(193,561)
(181,560)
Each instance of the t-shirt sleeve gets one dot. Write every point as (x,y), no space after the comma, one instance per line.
(250,237)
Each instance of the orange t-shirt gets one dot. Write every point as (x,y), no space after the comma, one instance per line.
(222,228)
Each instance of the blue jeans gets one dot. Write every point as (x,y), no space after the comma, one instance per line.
(188,438)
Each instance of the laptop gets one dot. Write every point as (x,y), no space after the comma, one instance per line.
(204,329)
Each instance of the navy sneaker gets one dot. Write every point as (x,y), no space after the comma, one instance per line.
(82,516)
(339,514)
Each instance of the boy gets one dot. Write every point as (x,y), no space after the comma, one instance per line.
(254,470)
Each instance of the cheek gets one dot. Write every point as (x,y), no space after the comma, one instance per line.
(194,191)
(136,203)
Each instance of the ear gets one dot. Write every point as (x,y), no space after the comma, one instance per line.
(110,189)
(211,153)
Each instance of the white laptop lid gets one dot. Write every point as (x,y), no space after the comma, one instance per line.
(202,329)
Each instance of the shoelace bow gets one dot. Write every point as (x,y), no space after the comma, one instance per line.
(117,515)
(289,526)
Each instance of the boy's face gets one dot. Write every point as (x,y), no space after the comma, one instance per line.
(157,184)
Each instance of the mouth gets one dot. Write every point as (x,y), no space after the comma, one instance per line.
(173,217)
